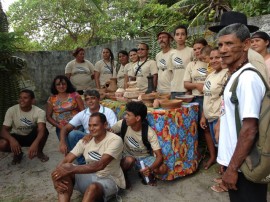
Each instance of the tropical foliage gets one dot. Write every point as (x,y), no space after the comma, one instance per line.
(65,24)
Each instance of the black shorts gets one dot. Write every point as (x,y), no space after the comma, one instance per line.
(27,140)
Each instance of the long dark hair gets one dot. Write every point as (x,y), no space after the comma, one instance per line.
(70,87)
(112,56)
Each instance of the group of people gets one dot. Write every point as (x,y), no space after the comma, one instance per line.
(86,129)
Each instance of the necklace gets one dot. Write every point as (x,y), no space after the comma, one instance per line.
(229,75)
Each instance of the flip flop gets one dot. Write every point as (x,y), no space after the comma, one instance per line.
(17,159)
(217,188)
(42,157)
(217,180)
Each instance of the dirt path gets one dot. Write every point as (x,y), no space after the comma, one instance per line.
(30,182)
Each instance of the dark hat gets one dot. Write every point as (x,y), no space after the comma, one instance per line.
(232,17)
(94,93)
(164,32)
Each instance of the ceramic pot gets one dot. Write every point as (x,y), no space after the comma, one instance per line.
(112,85)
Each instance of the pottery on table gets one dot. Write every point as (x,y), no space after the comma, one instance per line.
(170,104)
(112,85)
(185,98)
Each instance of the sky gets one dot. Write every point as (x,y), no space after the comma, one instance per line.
(6,3)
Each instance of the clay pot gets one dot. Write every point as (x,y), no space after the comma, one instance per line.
(112,85)
(102,93)
(170,104)
(163,96)
(148,99)
(185,98)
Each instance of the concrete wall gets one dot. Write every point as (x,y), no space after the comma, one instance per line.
(43,66)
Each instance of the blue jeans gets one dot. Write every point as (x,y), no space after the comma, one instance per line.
(211,128)
(199,100)
(72,139)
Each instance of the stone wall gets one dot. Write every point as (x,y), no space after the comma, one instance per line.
(43,66)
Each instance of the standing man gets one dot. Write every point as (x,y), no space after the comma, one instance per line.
(24,126)
(92,99)
(182,56)
(234,43)
(144,67)
(102,175)
(164,62)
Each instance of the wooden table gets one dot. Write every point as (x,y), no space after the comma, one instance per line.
(177,135)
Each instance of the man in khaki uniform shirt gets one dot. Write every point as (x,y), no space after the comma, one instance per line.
(164,62)
(102,175)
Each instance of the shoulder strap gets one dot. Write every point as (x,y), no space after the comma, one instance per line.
(139,66)
(123,129)
(144,133)
(145,136)
(234,98)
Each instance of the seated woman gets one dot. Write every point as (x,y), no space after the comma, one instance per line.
(123,60)
(80,72)
(260,42)
(63,104)
(105,68)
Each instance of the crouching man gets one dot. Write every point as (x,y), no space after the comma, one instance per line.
(24,126)
(140,143)
(101,176)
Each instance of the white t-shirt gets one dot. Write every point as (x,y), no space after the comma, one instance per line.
(250,92)
(82,118)
(92,152)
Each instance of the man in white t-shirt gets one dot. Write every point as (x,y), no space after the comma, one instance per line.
(70,137)
(136,148)
(182,56)
(233,43)
(164,62)
(102,175)
(24,126)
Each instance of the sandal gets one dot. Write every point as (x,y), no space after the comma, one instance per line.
(42,157)
(219,188)
(17,159)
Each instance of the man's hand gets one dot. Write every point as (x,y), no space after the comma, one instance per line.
(63,148)
(87,138)
(60,186)
(62,171)
(33,150)
(203,123)
(230,178)
(146,171)
(15,146)
(199,87)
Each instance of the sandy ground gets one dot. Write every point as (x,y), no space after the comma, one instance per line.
(30,182)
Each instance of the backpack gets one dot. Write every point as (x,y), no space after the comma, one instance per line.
(144,133)
(256,166)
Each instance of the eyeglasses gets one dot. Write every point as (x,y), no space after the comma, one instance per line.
(142,49)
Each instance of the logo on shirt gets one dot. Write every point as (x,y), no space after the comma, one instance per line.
(139,71)
(202,70)
(132,142)
(178,61)
(94,156)
(163,64)
(26,122)
(208,85)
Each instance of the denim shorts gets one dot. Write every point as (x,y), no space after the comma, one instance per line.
(211,128)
